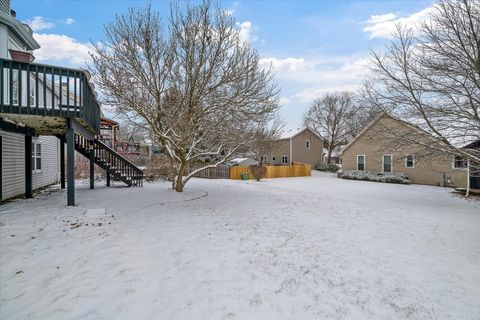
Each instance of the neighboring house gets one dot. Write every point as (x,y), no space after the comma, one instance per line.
(108,131)
(335,156)
(44,110)
(242,162)
(299,145)
(17,42)
(373,151)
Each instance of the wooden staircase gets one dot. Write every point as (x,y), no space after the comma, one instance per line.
(116,166)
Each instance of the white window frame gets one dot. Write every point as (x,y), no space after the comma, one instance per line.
(286,159)
(309,143)
(413,161)
(364,162)
(460,168)
(35,145)
(391,162)
(15,85)
(32,94)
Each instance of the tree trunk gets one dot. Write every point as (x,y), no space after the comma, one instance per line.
(177,181)
(179,178)
(329,155)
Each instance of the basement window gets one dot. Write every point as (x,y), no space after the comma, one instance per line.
(36,157)
(284,159)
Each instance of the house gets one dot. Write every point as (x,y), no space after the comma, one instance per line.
(334,157)
(380,148)
(17,42)
(299,145)
(108,131)
(44,110)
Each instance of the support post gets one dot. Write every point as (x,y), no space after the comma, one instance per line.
(108,178)
(70,164)
(92,165)
(28,167)
(62,163)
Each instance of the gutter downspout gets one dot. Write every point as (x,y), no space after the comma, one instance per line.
(467,192)
(291,151)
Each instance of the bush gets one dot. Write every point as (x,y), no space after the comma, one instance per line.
(325,167)
(387,177)
(258,171)
(158,168)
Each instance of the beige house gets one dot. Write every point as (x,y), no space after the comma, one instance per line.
(300,145)
(377,149)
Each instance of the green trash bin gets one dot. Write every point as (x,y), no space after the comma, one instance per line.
(247,175)
(244,176)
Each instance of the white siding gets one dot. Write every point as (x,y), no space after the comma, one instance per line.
(13,163)
(50,172)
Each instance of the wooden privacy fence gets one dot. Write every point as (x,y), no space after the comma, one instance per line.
(295,170)
(220,172)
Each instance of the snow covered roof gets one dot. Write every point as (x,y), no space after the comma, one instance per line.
(294,132)
(238,160)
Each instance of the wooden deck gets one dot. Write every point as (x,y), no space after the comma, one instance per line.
(42,97)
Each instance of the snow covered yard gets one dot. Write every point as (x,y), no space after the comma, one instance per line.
(299,248)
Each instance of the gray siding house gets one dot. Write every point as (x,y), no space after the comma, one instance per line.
(16,38)
(47,113)
(301,145)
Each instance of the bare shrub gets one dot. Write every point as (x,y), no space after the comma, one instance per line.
(258,171)
(158,168)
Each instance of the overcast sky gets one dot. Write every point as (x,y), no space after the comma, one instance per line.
(313,46)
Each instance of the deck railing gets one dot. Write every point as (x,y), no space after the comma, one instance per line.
(37,89)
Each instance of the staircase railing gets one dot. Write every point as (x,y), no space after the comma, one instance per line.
(104,152)
(114,162)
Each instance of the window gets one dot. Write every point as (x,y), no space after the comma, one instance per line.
(273,158)
(361,162)
(387,163)
(307,144)
(460,162)
(410,161)
(14,86)
(284,159)
(31,94)
(263,160)
(36,156)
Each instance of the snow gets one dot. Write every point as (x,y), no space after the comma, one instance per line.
(291,133)
(295,248)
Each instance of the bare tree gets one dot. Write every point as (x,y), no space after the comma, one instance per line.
(265,143)
(430,78)
(128,130)
(334,118)
(192,83)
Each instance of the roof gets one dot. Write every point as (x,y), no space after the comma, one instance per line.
(384,114)
(240,160)
(289,134)
(20,30)
(112,122)
(473,145)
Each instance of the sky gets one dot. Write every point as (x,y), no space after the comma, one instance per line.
(314,47)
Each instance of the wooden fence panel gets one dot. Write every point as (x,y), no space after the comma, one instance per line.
(220,172)
(296,170)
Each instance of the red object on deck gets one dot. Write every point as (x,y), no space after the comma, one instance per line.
(21,56)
